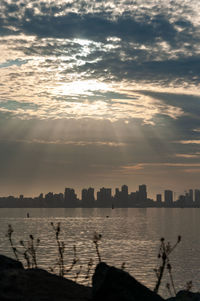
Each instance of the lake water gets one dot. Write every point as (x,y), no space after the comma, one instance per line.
(128,235)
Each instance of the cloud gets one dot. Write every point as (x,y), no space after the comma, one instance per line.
(189,103)
(75,143)
(84,103)
(53,47)
(99,89)
(148,167)
(192,170)
(186,125)
(96,21)
(188,156)
(189,141)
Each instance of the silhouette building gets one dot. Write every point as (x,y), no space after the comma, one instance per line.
(104,197)
(168,197)
(191,195)
(159,198)
(121,199)
(88,197)
(142,193)
(197,196)
(70,198)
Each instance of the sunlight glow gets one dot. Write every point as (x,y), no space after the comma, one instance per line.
(86,87)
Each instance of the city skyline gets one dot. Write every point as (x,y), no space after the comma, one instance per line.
(152,194)
(103,198)
(99,92)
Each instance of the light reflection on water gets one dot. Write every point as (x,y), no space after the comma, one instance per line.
(129,235)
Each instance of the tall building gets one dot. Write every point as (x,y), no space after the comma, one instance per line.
(134,199)
(70,198)
(117,193)
(159,198)
(84,195)
(142,193)
(88,197)
(104,197)
(168,197)
(59,199)
(125,189)
(49,200)
(197,197)
(191,195)
(49,196)
(41,196)
(91,194)
(124,196)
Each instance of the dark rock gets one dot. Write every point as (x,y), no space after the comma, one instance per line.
(9,263)
(112,284)
(39,285)
(185,296)
(109,284)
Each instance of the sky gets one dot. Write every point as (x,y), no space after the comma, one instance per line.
(99,93)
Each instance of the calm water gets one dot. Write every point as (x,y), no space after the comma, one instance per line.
(128,235)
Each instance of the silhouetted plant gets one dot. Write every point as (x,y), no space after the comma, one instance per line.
(96,238)
(30,248)
(74,261)
(9,235)
(189,285)
(169,288)
(169,268)
(78,273)
(61,248)
(30,251)
(123,265)
(164,251)
(27,258)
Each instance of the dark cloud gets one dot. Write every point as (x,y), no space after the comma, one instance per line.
(183,128)
(190,104)
(179,70)
(139,55)
(145,28)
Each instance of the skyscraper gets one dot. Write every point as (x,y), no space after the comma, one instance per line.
(191,197)
(70,198)
(168,197)
(197,196)
(159,198)
(142,193)
(88,197)
(104,197)
(124,196)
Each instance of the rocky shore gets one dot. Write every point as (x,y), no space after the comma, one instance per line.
(108,284)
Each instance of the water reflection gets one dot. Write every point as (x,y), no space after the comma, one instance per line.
(129,235)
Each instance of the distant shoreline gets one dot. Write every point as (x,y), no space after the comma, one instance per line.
(139,207)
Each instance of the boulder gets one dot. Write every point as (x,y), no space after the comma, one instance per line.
(9,263)
(112,284)
(185,296)
(109,284)
(18,284)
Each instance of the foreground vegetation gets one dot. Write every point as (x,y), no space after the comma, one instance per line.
(27,253)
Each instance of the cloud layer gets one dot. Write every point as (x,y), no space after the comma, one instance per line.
(116,78)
